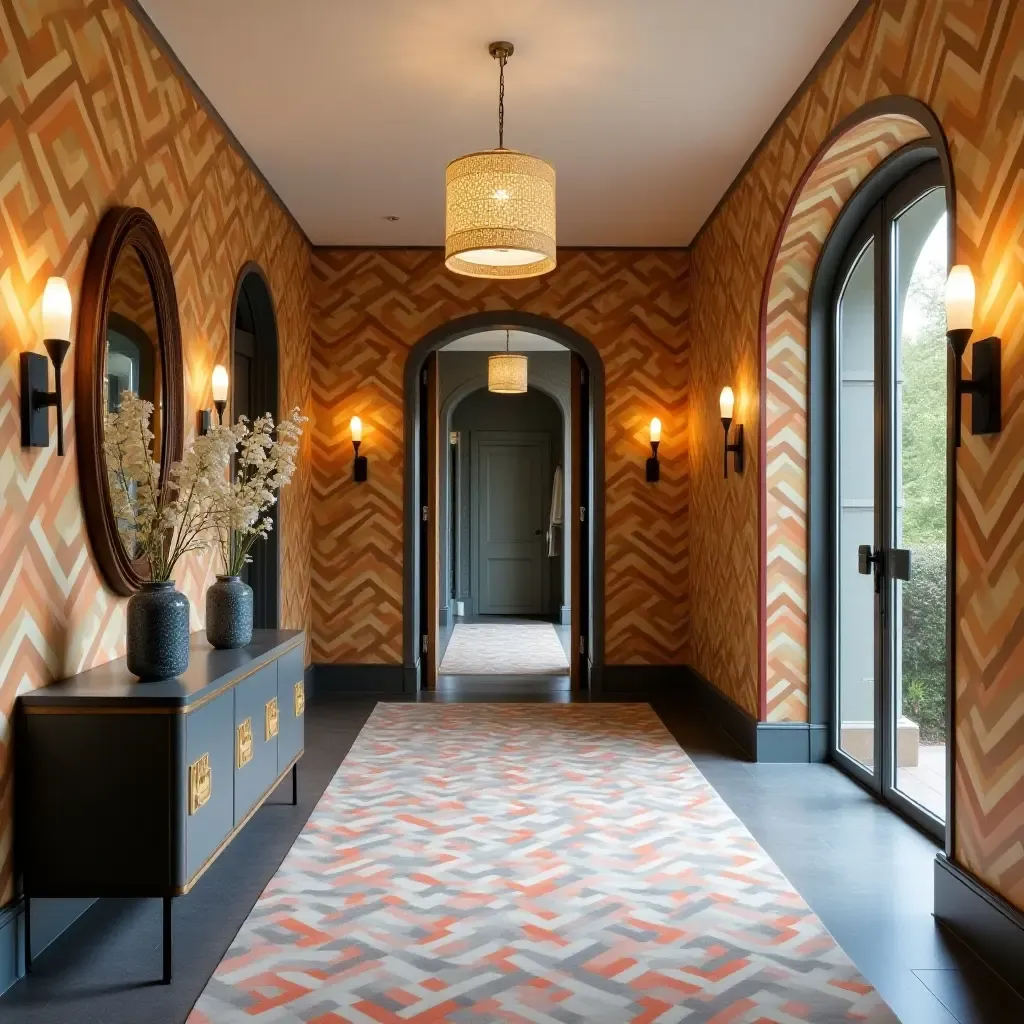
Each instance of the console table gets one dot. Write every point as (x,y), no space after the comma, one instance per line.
(126,788)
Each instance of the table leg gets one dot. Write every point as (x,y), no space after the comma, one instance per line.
(167,940)
(295,783)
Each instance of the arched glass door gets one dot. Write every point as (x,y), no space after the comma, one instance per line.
(890,500)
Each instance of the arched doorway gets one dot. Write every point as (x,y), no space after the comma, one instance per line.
(422,503)
(254,392)
(863,159)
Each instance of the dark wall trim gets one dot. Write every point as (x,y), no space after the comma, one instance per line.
(149,27)
(437,339)
(368,679)
(50,919)
(986,922)
(834,44)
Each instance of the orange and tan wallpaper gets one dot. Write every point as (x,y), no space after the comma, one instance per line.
(962,59)
(91,116)
(371,307)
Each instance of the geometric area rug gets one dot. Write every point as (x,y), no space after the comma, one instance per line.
(529,863)
(504,648)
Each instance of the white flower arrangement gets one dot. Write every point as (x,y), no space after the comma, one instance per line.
(162,523)
(201,504)
(264,464)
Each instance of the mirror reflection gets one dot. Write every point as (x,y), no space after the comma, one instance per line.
(132,360)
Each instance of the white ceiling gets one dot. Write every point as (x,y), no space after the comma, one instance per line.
(494,341)
(352,108)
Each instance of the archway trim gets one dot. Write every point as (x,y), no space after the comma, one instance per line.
(853,150)
(435,340)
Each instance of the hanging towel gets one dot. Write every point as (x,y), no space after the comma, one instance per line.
(555,518)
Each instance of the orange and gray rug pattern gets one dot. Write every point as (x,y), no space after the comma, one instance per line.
(529,863)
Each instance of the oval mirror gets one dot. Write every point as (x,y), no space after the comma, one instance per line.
(129,341)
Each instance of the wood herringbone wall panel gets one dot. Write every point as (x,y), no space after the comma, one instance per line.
(962,58)
(91,116)
(371,307)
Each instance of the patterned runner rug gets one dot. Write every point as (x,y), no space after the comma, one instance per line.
(529,863)
(504,648)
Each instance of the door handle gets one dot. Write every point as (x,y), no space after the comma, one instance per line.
(869,562)
(866,558)
(900,563)
(536,533)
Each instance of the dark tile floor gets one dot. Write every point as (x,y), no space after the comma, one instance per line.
(864,871)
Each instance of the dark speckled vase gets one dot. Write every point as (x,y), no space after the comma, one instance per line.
(229,613)
(157,632)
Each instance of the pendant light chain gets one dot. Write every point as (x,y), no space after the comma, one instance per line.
(502,58)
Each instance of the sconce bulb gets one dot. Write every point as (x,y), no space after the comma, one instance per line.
(727,404)
(356,427)
(57,310)
(219,384)
(960,299)
(655,431)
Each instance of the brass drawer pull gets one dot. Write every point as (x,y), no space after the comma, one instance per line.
(200,783)
(300,698)
(243,748)
(270,719)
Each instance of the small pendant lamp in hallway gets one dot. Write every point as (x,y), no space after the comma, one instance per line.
(500,206)
(506,371)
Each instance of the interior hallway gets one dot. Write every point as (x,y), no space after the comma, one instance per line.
(864,871)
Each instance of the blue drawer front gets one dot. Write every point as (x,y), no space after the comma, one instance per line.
(209,731)
(253,778)
(291,671)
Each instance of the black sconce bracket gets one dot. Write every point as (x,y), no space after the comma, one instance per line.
(653,465)
(984,385)
(37,398)
(359,469)
(206,416)
(736,448)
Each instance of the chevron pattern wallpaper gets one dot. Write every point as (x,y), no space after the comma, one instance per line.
(371,307)
(816,207)
(962,59)
(91,116)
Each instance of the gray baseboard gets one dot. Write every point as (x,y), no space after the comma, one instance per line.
(368,679)
(781,742)
(987,923)
(50,918)
(565,615)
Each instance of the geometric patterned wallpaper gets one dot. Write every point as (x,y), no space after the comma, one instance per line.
(371,307)
(92,116)
(963,60)
(815,208)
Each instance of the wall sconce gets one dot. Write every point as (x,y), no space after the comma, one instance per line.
(653,466)
(985,383)
(359,464)
(219,387)
(36,397)
(726,407)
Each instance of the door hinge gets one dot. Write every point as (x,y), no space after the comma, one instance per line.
(583,513)
(425,514)
(425,644)
(583,645)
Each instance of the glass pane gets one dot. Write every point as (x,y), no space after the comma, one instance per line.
(919,676)
(855,600)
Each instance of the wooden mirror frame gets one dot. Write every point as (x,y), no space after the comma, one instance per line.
(121,227)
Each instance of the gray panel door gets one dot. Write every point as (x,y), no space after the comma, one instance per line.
(511,498)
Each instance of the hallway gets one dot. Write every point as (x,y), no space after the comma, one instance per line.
(863,871)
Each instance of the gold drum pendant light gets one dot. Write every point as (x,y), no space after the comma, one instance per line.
(500,206)
(506,371)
